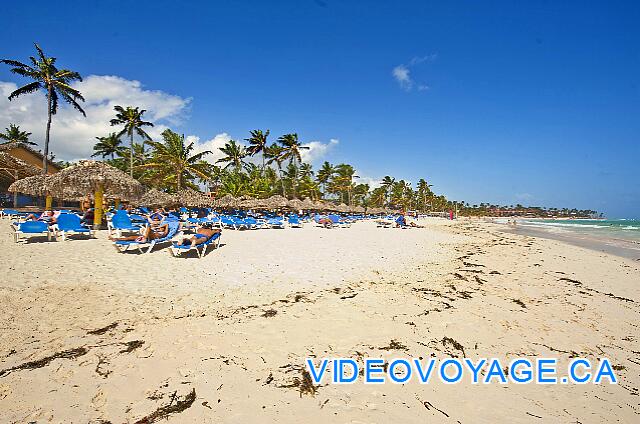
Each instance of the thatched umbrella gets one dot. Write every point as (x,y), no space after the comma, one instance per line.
(277,201)
(226,201)
(320,205)
(308,204)
(155,197)
(342,208)
(358,209)
(296,204)
(190,197)
(247,202)
(33,186)
(91,176)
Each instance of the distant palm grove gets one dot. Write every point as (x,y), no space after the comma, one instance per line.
(265,166)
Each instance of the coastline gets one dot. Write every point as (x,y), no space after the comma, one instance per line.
(620,247)
(236,326)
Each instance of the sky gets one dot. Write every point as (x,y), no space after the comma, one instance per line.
(499,102)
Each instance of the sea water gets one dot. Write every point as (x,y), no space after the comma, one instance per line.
(622,229)
(618,236)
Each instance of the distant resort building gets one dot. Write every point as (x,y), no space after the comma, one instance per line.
(18,161)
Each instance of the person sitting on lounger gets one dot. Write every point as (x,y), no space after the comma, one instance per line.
(50,217)
(203,234)
(325,222)
(149,233)
(156,217)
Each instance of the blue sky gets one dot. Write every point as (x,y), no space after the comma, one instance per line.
(502,102)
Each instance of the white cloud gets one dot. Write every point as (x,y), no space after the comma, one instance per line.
(317,150)
(214,144)
(373,182)
(402,74)
(72,135)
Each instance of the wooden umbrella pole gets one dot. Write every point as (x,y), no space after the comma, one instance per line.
(97,213)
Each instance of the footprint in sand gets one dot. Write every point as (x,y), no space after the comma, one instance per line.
(99,400)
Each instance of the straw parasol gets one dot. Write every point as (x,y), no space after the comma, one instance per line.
(320,205)
(342,208)
(190,197)
(277,201)
(226,201)
(155,197)
(33,186)
(296,204)
(247,202)
(94,176)
(308,204)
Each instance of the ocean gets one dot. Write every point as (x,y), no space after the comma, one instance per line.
(617,236)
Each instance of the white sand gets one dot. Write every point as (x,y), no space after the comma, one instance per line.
(342,292)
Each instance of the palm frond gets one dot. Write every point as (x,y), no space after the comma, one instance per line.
(25,89)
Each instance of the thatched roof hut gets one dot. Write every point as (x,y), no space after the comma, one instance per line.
(16,168)
(190,197)
(88,176)
(155,197)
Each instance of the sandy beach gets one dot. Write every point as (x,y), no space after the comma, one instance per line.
(91,335)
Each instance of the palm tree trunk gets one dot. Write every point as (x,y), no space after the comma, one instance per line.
(284,193)
(45,162)
(131,156)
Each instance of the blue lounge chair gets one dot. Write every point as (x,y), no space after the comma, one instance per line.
(124,245)
(31,228)
(69,223)
(275,223)
(121,221)
(295,222)
(11,213)
(339,221)
(200,248)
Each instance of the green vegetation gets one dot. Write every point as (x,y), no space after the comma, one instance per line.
(56,82)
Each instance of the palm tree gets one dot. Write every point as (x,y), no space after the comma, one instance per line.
(107,146)
(13,134)
(387,183)
(324,175)
(291,147)
(234,155)
(131,118)
(424,191)
(56,82)
(257,143)
(174,161)
(275,154)
(343,179)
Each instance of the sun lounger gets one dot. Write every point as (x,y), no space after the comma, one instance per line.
(337,221)
(121,221)
(294,222)
(11,213)
(124,245)
(69,223)
(31,228)
(200,248)
(275,223)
